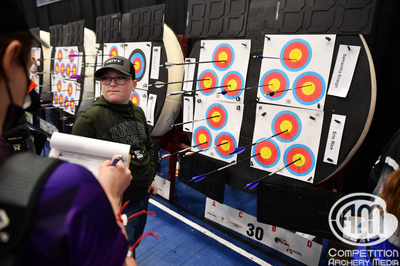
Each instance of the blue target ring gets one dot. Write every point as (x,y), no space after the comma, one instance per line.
(306,153)
(298,45)
(220,110)
(279,81)
(220,149)
(319,86)
(282,118)
(223,52)
(275,153)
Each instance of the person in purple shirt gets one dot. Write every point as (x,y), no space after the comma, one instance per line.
(75,220)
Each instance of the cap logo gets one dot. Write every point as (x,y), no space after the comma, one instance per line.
(114,61)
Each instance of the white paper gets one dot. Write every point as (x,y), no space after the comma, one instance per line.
(344,70)
(151,106)
(97,89)
(187,115)
(88,152)
(155,62)
(189,74)
(282,240)
(163,186)
(334,140)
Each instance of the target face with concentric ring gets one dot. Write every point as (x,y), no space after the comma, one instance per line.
(313,88)
(60,99)
(72,104)
(70,89)
(202,135)
(113,51)
(59,85)
(135,98)
(286,120)
(138,60)
(57,68)
(273,81)
(66,102)
(224,55)
(269,153)
(219,114)
(62,69)
(71,57)
(59,55)
(296,55)
(234,82)
(68,70)
(228,142)
(305,165)
(208,80)
(55,98)
(74,69)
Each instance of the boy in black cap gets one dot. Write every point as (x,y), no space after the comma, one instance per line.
(113,117)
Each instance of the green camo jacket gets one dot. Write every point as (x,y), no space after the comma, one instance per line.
(124,124)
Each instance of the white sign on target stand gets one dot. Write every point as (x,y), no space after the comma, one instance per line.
(282,240)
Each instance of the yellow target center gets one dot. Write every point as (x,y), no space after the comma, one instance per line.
(207,82)
(113,53)
(136,65)
(217,117)
(286,125)
(266,152)
(202,138)
(223,56)
(134,101)
(275,84)
(295,55)
(309,88)
(225,145)
(300,162)
(232,84)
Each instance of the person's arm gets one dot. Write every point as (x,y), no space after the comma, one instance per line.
(83,126)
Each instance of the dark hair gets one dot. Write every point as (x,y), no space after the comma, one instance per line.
(23,36)
(391,193)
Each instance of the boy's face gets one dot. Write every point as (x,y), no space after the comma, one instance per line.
(115,93)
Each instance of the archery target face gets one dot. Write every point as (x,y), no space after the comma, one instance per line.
(293,56)
(68,70)
(269,153)
(57,69)
(62,69)
(113,51)
(138,61)
(72,105)
(219,114)
(296,55)
(233,82)
(135,98)
(70,89)
(202,136)
(224,55)
(274,81)
(74,69)
(208,80)
(66,102)
(228,142)
(55,98)
(286,120)
(313,88)
(71,55)
(60,99)
(59,55)
(59,85)
(305,165)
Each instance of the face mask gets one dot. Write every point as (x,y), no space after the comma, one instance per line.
(14,112)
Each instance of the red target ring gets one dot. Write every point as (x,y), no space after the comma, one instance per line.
(68,70)
(219,114)
(135,98)
(234,82)
(59,85)
(269,153)
(296,55)
(202,135)
(224,55)
(55,99)
(208,80)
(60,100)
(113,51)
(286,120)
(70,89)
(306,163)
(62,69)
(71,58)
(66,102)
(313,88)
(273,81)
(74,69)
(57,69)
(227,145)
(59,55)
(72,105)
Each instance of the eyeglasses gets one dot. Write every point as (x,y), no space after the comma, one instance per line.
(122,80)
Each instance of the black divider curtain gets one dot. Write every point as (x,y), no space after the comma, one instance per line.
(67,11)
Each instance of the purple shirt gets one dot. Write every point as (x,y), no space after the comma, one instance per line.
(74,223)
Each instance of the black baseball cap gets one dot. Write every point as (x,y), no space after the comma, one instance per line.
(12,19)
(119,63)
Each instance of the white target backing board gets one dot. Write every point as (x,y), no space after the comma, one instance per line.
(295,70)
(229,70)
(301,140)
(35,78)
(68,61)
(221,130)
(66,93)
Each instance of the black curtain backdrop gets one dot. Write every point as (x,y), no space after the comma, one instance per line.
(382,41)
